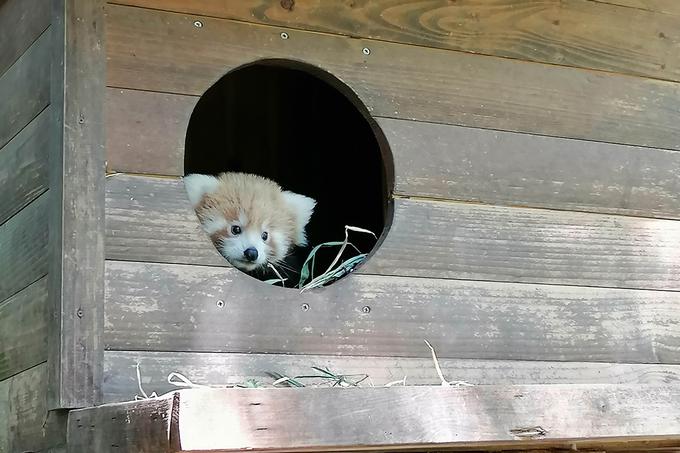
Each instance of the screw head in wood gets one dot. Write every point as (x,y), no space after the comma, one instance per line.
(220,304)
(366,51)
(305,307)
(366,309)
(284,35)
(79,313)
(198,24)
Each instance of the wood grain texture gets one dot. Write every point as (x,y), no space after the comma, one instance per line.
(388,419)
(21,22)
(23,166)
(478,165)
(162,307)
(23,329)
(23,248)
(150,219)
(28,426)
(567,32)
(135,427)
(120,378)
(147,129)
(661,6)
(157,51)
(25,88)
(76,286)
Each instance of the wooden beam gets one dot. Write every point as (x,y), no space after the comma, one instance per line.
(577,417)
(157,51)
(150,219)
(120,376)
(567,32)
(77,172)
(162,307)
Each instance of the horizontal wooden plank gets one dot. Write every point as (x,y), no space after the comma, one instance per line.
(662,6)
(23,329)
(27,426)
(161,51)
(23,248)
(162,307)
(25,88)
(120,377)
(23,166)
(21,22)
(567,32)
(147,129)
(150,219)
(388,419)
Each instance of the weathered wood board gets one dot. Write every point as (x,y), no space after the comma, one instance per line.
(23,166)
(21,22)
(162,307)
(385,419)
(566,32)
(156,51)
(146,132)
(23,248)
(26,426)
(23,329)
(76,286)
(150,219)
(25,88)
(120,376)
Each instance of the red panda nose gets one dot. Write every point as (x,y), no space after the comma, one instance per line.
(250,253)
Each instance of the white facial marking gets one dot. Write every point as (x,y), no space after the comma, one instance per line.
(213,224)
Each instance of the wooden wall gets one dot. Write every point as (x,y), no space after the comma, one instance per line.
(537,172)
(41,77)
(25,138)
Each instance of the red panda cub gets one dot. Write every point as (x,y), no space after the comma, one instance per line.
(250,219)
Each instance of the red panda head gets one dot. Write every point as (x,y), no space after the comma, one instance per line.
(250,219)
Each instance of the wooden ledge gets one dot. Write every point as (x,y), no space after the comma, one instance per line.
(576,417)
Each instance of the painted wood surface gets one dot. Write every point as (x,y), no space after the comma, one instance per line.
(120,378)
(147,129)
(23,166)
(150,219)
(156,51)
(21,22)
(26,426)
(23,329)
(25,88)
(23,248)
(387,419)
(162,307)
(570,33)
(76,286)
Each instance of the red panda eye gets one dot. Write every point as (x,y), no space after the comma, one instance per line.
(265,235)
(235,229)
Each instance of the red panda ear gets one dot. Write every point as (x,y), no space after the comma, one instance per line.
(302,208)
(197,186)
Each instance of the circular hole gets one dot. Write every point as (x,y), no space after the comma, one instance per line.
(304,129)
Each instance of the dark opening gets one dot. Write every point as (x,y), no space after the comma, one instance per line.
(306,130)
